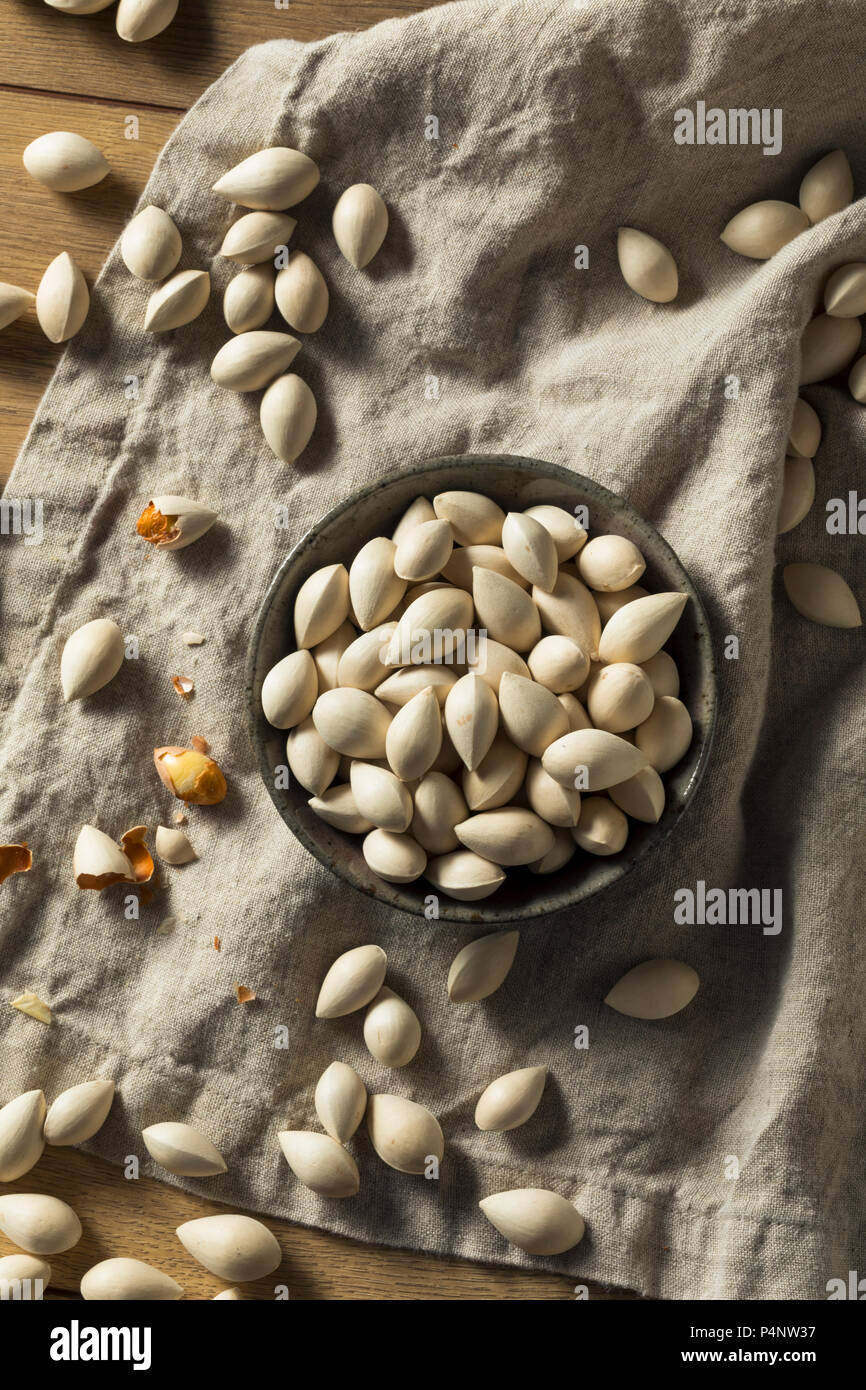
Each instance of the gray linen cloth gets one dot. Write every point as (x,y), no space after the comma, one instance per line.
(555,125)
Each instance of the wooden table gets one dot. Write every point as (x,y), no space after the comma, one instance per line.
(64,72)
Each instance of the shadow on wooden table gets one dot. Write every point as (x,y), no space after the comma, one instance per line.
(175,66)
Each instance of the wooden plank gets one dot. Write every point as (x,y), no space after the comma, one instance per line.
(138,1218)
(38,224)
(83,53)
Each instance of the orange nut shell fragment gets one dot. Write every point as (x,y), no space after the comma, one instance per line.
(155,527)
(190,775)
(98,862)
(137,852)
(183,685)
(14,859)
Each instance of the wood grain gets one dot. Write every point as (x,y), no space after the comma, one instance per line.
(83,53)
(138,1219)
(75,73)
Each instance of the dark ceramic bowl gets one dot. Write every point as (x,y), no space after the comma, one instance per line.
(515,483)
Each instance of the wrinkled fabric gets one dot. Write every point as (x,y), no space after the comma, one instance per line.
(473,331)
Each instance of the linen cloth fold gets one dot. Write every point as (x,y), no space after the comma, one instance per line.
(716,1154)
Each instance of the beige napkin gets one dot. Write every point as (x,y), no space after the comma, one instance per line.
(473,330)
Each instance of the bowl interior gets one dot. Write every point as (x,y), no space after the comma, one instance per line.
(515,483)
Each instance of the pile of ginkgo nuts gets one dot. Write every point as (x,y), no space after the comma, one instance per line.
(509,648)
(404,1134)
(267,183)
(829,344)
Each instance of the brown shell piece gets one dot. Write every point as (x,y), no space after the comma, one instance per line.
(14,859)
(155,527)
(136,851)
(100,881)
(184,687)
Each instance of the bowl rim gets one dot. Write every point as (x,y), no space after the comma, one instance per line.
(454,910)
